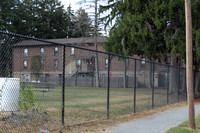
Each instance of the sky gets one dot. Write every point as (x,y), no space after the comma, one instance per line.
(72,2)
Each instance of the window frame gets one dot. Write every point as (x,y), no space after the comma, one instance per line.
(106,62)
(41,52)
(127,62)
(72,51)
(25,66)
(56,50)
(56,63)
(143,61)
(42,64)
(25,52)
(78,64)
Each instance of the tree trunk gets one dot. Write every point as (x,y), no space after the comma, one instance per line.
(173,82)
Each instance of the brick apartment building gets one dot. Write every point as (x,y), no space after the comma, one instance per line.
(77,61)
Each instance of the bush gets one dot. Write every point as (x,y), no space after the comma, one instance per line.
(26,98)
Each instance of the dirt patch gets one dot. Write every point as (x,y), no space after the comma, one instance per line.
(118,106)
(26,121)
(52,110)
(98,108)
(197,100)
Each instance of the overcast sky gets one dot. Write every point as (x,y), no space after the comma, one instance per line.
(72,2)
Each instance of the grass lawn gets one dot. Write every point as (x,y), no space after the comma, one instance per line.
(83,104)
(183,127)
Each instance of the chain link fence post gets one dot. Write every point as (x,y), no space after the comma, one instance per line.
(179,83)
(168,84)
(153,65)
(134,101)
(63,87)
(108,87)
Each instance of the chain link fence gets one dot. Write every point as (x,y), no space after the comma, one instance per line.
(45,84)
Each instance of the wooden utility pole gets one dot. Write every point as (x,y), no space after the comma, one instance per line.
(190,94)
(96,46)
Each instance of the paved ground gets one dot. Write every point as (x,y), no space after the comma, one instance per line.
(158,123)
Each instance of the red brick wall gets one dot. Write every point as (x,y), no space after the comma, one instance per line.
(49,57)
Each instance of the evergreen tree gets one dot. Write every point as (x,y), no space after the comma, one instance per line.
(52,20)
(7,14)
(153,29)
(70,14)
(138,28)
(143,27)
(39,18)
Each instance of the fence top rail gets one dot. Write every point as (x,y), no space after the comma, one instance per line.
(81,48)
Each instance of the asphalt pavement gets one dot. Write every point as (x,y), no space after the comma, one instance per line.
(158,123)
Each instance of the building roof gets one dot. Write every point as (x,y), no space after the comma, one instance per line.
(71,41)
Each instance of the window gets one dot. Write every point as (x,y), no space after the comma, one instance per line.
(106,63)
(25,52)
(22,75)
(25,64)
(78,63)
(72,51)
(143,61)
(42,64)
(25,77)
(41,51)
(56,64)
(127,63)
(56,51)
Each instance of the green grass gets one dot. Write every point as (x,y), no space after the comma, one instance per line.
(184,127)
(83,104)
(180,130)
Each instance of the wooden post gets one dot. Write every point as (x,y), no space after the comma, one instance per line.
(189,77)
(96,47)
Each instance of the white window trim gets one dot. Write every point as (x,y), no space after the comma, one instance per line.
(42,51)
(143,61)
(72,51)
(106,62)
(78,63)
(25,64)
(56,49)
(25,52)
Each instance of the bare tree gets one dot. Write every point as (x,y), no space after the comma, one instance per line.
(81,24)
